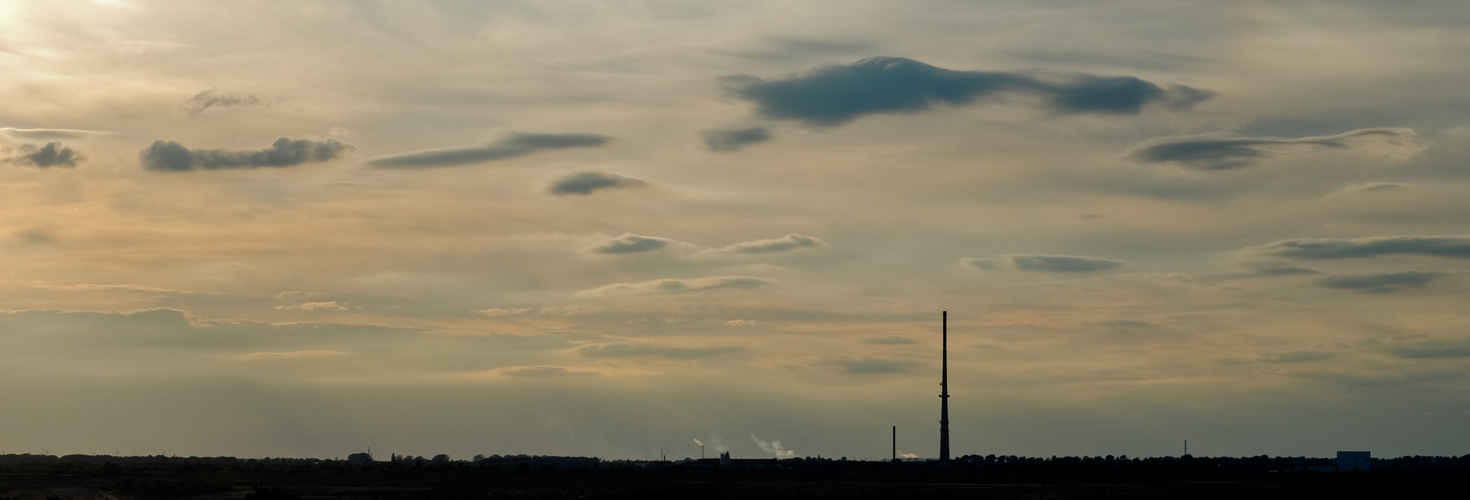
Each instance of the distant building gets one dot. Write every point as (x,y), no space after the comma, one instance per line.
(1353,461)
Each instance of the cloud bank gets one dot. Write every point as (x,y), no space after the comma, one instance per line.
(1319,249)
(834,94)
(1206,152)
(511,146)
(170,156)
(585,183)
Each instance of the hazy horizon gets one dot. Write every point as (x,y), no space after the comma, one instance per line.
(599,228)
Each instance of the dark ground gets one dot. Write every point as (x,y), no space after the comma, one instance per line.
(32,477)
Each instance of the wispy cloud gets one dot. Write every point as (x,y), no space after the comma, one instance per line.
(676,286)
(46,134)
(1212,152)
(630,243)
(868,366)
(1326,248)
(540,371)
(1044,263)
(1382,282)
(727,140)
(259,356)
(213,98)
(774,245)
(514,145)
(637,349)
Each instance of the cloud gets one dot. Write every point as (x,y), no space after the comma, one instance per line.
(584,183)
(1373,187)
(1316,249)
(257,356)
(726,140)
(43,134)
(1212,152)
(1284,271)
(318,306)
(637,349)
(1297,357)
(889,341)
(834,94)
(499,311)
(213,98)
(630,243)
(1061,263)
(542,371)
(514,145)
(985,263)
(1381,282)
(676,286)
(169,156)
(775,245)
(571,310)
(52,154)
(1440,349)
(868,366)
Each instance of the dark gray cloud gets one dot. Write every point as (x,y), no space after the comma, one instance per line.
(1206,152)
(169,156)
(584,183)
(1061,263)
(635,349)
(630,243)
(726,140)
(511,146)
(52,154)
(1314,249)
(776,245)
(834,94)
(213,98)
(1381,282)
(867,366)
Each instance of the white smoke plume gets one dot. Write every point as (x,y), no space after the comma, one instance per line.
(697,442)
(773,447)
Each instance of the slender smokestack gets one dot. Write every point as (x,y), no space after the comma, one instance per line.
(895,443)
(944,396)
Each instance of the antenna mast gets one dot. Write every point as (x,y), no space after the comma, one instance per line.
(944,395)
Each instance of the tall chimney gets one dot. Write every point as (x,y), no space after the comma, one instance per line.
(895,443)
(944,396)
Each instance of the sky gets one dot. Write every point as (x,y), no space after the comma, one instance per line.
(615,228)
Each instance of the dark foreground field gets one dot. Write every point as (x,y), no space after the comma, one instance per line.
(159,478)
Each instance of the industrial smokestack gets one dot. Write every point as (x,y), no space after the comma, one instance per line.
(944,393)
(895,443)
